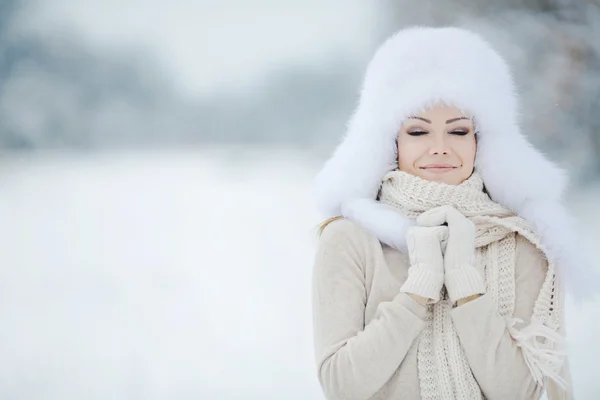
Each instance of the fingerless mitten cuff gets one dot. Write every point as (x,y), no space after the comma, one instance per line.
(464,282)
(423,282)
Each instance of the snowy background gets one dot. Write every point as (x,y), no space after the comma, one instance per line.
(155,171)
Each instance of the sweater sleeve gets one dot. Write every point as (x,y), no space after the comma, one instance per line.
(495,359)
(355,361)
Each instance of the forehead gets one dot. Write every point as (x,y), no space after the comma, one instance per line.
(442,111)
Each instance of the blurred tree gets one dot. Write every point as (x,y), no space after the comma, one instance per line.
(579,86)
(54,93)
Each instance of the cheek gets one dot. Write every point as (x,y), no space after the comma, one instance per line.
(408,153)
(467,150)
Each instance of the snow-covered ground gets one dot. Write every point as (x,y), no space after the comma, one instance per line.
(176,275)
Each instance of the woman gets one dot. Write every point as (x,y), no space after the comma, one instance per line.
(440,271)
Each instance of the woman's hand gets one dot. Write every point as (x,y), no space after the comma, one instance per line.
(426,272)
(419,299)
(462,278)
(460,302)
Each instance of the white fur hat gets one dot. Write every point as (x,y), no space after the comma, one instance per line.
(412,70)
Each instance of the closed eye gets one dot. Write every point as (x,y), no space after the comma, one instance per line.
(417,133)
(459,132)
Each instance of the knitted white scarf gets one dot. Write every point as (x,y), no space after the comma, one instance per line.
(444,372)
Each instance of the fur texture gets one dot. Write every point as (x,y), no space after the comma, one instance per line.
(391,226)
(413,70)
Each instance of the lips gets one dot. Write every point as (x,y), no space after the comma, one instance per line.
(438,167)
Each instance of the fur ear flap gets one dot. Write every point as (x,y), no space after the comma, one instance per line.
(380,220)
(357,165)
(514,171)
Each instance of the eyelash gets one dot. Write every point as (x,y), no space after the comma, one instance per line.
(455,132)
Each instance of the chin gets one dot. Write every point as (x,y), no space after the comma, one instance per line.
(449,178)
(446,180)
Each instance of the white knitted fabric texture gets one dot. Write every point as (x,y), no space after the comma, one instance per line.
(444,372)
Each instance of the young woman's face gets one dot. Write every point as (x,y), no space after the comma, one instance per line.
(438,145)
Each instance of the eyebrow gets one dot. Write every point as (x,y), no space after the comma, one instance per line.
(456,119)
(448,121)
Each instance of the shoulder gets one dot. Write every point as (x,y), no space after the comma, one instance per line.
(343,252)
(344,231)
(345,236)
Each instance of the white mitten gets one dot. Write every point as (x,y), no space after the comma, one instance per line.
(462,277)
(426,272)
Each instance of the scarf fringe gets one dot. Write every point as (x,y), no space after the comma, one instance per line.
(542,361)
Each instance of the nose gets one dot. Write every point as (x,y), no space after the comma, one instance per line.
(439,145)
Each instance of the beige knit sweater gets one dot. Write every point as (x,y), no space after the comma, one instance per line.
(365,330)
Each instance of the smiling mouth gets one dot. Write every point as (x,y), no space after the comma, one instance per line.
(438,168)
